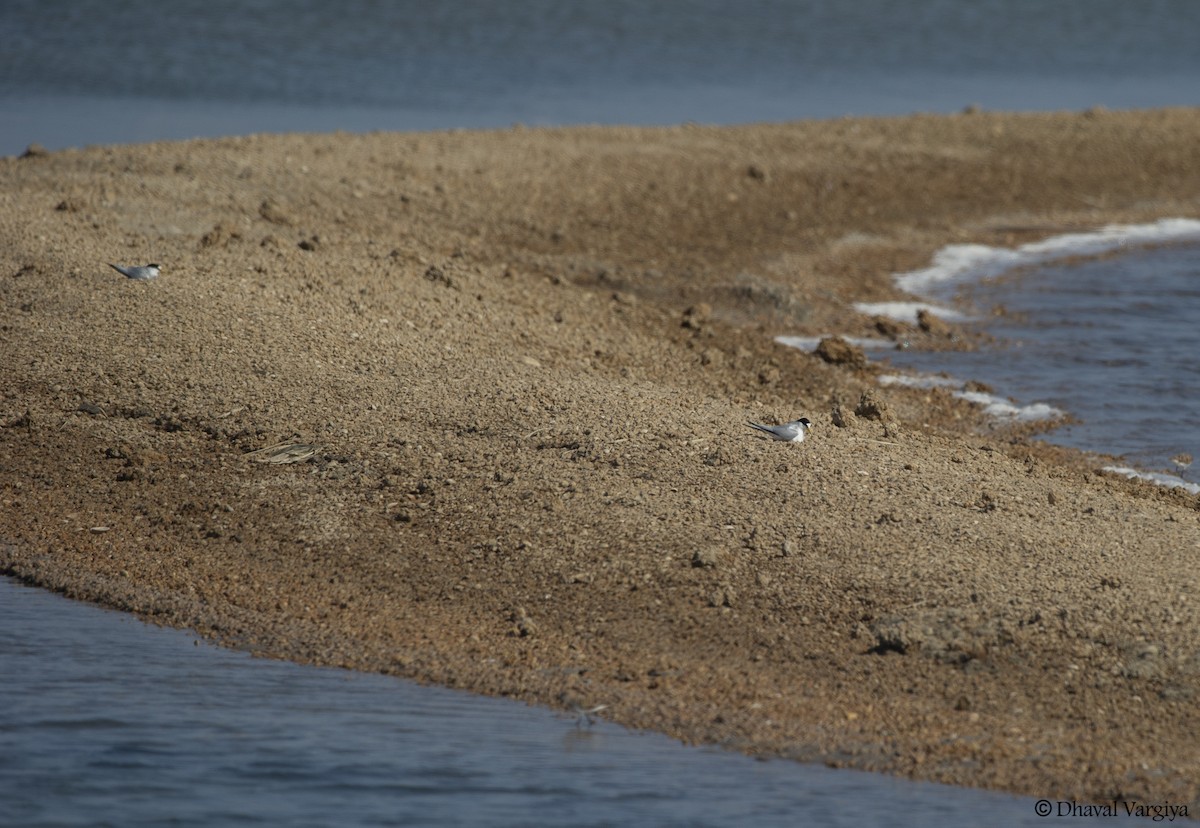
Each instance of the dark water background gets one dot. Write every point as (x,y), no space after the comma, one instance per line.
(105,721)
(1114,342)
(76,72)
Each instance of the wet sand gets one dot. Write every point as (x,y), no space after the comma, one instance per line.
(525,360)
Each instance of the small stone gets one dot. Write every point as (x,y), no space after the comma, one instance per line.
(707,558)
(872,407)
(524,624)
(435,274)
(891,328)
(273,212)
(219,236)
(932,325)
(841,417)
(893,634)
(722,596)
(695,316)
(769,375)
(837,351)
(19,421)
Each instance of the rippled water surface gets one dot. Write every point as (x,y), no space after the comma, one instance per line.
(1113,342)
(75,72)
(105,721)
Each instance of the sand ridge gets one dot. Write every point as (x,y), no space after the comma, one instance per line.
(524,360)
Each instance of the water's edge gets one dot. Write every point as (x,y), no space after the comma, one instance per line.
(107,718)
(952,268)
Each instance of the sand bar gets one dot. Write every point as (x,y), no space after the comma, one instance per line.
(469,408)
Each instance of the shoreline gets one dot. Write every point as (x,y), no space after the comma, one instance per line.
(525,358)
(958,268)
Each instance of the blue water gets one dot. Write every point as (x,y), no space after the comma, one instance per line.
(105,721)
(1112,341)
(76,72)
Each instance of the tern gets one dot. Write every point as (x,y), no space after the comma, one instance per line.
(792,432)
(585,716)
(141,273)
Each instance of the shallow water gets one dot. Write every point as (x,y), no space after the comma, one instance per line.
(106,721)
(1112,342)
(77,72)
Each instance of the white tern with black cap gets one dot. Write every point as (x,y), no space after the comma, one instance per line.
(792,432)
(140,273)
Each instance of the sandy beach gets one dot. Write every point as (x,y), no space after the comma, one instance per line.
(522,362)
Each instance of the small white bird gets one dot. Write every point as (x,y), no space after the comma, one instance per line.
(792,432)
(141,273)
(583,717)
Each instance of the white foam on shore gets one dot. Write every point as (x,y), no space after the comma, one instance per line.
(810,343)
(993,406)
(960,262)
(965,262)
(1003,409)
(907,311)
(1157,478)
(919,381)
(970,262)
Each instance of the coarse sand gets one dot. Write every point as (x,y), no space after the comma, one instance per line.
(518,366)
